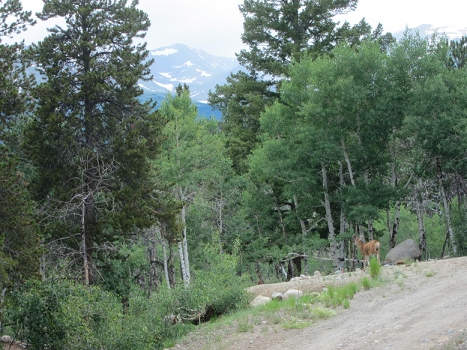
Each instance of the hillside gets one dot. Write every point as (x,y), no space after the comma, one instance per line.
(420,306)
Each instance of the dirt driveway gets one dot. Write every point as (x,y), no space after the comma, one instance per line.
(422,306)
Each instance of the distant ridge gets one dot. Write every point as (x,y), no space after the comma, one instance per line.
(427,30)
(180,64)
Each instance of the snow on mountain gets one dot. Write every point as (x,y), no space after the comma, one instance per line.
(181,64)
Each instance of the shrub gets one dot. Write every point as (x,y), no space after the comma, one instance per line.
(375,268)
(68,315)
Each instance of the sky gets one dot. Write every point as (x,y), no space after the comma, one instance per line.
(216,26)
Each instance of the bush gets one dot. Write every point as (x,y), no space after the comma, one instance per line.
(375,268)
(67,315)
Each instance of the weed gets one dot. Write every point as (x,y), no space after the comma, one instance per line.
(375,268)
(244,325)
(321,312)
(366,283)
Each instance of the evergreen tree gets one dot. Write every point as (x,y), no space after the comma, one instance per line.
(279,32)
(19,239)
(91,140)
(242,100)
(458,53)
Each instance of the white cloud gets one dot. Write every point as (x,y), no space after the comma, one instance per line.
(216,26)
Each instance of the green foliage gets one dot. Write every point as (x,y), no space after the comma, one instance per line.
(218,284)
(64,316)
(19,234)
(277,34)
(366,284)
(375,268)
(459,214)
(91,140)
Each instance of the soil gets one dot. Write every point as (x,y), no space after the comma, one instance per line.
(418,306)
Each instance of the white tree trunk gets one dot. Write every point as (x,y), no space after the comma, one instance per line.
(182,264)
(327,207)
(184,245)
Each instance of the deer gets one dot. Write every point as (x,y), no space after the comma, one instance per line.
(367,249)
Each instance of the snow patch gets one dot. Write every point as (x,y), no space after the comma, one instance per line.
(185,80)
(165,86)
(166,75)
(164,52)
(146,88)
(203,73)
(186,64)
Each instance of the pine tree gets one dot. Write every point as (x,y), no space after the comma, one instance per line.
(92,140)
(19,239)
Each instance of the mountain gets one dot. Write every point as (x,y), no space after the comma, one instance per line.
(181,64)
(427,30)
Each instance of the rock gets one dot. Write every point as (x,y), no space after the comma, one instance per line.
(317,274)
(260,300)
(5,339)
(407,250)
(292,293)
(277,296)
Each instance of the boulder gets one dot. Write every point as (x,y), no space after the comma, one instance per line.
(292,293)
(277,296)
(407,250)
(6,339)
(260,300)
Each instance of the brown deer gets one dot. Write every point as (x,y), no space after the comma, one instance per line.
(367,249)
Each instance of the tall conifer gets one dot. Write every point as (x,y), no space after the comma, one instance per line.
(91,140)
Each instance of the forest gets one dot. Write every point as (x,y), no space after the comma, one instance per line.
(122,214)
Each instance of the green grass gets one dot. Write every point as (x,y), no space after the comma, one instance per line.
(293,313)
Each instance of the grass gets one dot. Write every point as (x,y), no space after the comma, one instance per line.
(293,313)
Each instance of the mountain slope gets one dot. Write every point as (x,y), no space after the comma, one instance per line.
(181,64)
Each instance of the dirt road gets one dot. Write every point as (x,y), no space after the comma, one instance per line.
(422,309)
(421,306)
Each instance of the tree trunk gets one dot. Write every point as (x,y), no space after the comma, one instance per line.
(182,264)
(447,212)
(84,250)
(349,166)
(220,221)
(280,217)
(327,207)
(304,232)
(171,267)
(152,250)
(394,227)
(166,269)
(258,273)
(421,227)
(184,256)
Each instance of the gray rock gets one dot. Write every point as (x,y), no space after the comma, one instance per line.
(292,293)
(6,339)
(260,300)
(276,296)
(407,250)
